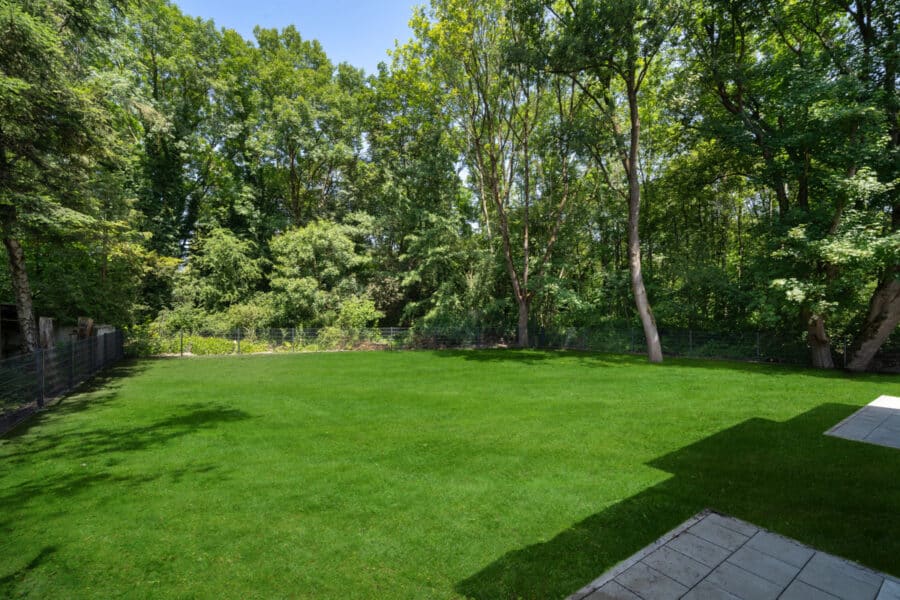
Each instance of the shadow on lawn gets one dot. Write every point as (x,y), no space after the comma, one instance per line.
(8,582)
(89,458)
(840,496)
(102,441)
(97,391)
(590,358)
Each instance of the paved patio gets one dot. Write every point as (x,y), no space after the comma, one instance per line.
(876,423)
(712,557)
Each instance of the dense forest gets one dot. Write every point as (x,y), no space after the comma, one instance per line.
(727,165)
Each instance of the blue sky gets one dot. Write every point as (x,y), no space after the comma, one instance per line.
(358,32)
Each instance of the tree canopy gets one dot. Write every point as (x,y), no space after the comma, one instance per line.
(517,164)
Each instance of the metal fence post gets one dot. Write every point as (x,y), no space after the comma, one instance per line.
(845,353)
(690,341)
(631,332)
(72,363)
(39,363)
(758,352)
(181,342)
(238,340)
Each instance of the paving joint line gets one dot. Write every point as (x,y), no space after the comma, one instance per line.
(724,560)
(886,419)
(632,560)
(795,577)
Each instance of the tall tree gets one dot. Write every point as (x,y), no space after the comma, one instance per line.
(780,74)
(870,53)
(53,125)
(308,134)
(608,49)
(176,59)
(503,106)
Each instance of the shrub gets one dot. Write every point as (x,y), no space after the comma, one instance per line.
(202,346)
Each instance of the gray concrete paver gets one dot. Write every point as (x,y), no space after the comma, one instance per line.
(741,527)
(743,584)
(890,590)
(876,423)
(781,548)
(680,567)
(767,567)
(709,557)
(886,434)
(835,565)
(650,584)
(707,591)
(841,578)
(718,535)
(612,591)
(699,549)
(803,591)
(867,415)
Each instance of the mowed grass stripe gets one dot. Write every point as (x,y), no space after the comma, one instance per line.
(496,474)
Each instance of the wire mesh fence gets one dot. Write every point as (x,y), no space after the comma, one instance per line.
(758,346)
(29,381)
(161,342)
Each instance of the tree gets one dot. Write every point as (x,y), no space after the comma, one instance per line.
(870,54)
(221,271)
(410,185)
(608,49)
(780,74)
(174,63)
(55,126)
(308,133)
(317,268)
(504,107)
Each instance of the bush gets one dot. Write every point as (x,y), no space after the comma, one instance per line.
(332,338)
(254,346)
(202,346)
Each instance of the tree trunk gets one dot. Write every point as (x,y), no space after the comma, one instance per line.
(522,338)
(22,291)
(654,348)
(819,343)
(882,320)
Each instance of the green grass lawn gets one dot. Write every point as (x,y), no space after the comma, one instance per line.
(495,474)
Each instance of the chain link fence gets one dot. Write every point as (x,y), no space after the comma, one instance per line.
(29,381)
(162,342)
(744,346)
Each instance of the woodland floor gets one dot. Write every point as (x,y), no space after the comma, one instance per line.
(481,474)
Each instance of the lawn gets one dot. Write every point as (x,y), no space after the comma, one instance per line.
(495,474)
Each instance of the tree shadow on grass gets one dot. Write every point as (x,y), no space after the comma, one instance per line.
(100,449)
(9,582)
(97,391)
(188,419)
(840,496)
(589,358)
(500,355)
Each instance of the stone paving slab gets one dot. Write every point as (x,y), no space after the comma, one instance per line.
(876,423)
(712,556)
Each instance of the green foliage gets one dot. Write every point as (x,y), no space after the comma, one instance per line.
(203,346)
(315,269)
(221,271)
(358,313)
(156,168)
